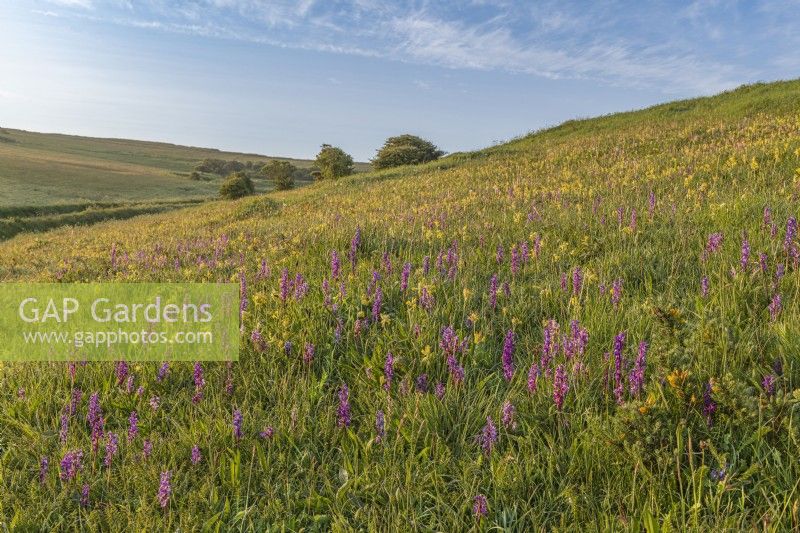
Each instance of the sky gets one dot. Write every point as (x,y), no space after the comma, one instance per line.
(281,78)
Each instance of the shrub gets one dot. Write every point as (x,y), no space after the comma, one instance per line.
(237,185)
(405,150)
(281,173)
(333,162)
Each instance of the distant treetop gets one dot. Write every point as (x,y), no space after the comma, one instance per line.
(333,162)
(406,150)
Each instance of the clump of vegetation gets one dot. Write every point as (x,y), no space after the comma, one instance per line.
(237,185)
(406,150)
(220,167)
(280,173)
(333,162)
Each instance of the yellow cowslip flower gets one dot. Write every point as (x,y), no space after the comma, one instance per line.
(473,317)
(677,378)
(466,293)
(426,352)
(515,321)
(478,337)
(385,319)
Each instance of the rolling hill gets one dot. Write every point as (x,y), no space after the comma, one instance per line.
(594,326)
(49,180)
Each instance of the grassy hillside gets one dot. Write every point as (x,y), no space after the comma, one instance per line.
(624,293)
(84,180)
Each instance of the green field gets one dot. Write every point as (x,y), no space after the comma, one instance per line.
(44,176)
(593,327)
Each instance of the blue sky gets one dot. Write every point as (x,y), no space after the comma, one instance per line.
(281,78)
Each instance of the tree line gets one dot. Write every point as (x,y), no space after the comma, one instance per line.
(331,163)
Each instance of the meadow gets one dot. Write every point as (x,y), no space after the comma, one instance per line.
(53,180)
(592,327)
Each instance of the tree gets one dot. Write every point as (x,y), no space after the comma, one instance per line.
(281,173)
(333,162)
(405,150)
(237,185)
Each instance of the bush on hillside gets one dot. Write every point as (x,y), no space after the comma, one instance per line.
(281,173)
(237,185)
(405,150)
(333,162)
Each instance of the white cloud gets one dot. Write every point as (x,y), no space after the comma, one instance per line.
(86,4)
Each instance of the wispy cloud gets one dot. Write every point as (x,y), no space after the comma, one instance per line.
(614,43)
(85,4)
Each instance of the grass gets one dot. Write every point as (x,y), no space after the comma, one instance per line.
(48,173)
(655,459)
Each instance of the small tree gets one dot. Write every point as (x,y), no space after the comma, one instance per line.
(405,150)
(333,162)
(281,173)
(237,185)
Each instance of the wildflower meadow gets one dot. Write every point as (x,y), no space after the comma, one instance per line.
(594,326)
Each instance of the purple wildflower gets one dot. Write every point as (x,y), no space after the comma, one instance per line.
(112,446)
(714,242)
(775,307)
(308,353)
(155,401)
(508,356)
(791,232)
(94,417)
(196,455)
(515,260)
(376,304)
(422,383)
(285,285)
(164,489)
(560,387)
(704,286)
(509,412)
(71,464)
(162,372)
(493,291)
(619,345)
(480,507)
(404,276)
(147,448)
(84,502)
(769,385)
(343,412)
(709,406)
(426,300)
(745,257)
(267,433)
(380,427)
(237,424)
(121,371)
(133,429)
(44,466)
(335,265)
(258,341)
(439,390)
(636,376)
(64,431)
(388,372)
(577,281)
(533,377)
(488,436)
(616,292)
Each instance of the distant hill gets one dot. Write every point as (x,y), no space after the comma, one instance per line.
(39,169)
